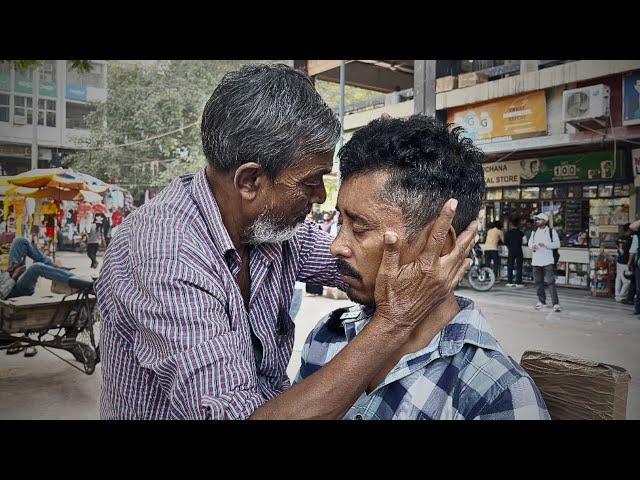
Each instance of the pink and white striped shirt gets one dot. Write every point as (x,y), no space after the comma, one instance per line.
(176,339)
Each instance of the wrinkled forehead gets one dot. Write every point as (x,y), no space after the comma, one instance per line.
(361,195)
(316,164)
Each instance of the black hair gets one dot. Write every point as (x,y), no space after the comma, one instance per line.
(429,161)
(268,114)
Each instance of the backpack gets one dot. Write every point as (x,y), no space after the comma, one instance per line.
(556,254)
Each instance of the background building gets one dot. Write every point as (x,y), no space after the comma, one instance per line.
(560,136)
(65,98)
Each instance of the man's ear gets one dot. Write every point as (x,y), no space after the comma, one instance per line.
(248,180)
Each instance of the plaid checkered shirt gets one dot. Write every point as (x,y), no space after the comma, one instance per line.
(462,374)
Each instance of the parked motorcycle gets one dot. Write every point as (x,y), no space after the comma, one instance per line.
(480,277)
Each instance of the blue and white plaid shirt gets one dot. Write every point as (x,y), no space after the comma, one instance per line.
(462,374)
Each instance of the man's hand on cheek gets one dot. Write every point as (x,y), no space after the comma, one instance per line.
(405,295)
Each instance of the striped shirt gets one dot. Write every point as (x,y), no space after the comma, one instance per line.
(462,374)
(176,339)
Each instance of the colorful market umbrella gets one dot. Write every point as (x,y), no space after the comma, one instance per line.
(99,208)
(58,178)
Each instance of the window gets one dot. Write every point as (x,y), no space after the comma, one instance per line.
(4,108)
(76,115)
(48,71)
(94,78)
(23,106)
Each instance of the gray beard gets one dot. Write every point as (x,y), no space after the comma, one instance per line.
(266,230)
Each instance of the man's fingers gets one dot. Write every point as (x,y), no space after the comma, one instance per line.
(465,241)
(390,263)
(438,233)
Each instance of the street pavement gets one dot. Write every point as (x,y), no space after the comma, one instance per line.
(597,329)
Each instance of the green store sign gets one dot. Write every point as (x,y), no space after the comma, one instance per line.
(48,89)
(23,84)
(5,82)
(571,168)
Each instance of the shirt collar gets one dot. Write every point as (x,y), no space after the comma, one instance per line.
(468,326)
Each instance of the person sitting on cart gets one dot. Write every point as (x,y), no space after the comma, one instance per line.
(396,175)
(18,280)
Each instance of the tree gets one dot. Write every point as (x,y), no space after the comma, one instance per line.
(144,102)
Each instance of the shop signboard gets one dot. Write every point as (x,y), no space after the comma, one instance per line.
(503,119)
(502,174)
(23,84)
(48,89)
(75,91)
(5,82)
(583,167)
(570,168)
(631,98)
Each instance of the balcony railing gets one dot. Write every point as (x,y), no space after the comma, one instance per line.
(493,73)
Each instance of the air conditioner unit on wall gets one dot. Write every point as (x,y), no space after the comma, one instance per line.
(19,120)
(586,103)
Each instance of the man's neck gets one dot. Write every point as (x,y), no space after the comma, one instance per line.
(424,333)
(230,207)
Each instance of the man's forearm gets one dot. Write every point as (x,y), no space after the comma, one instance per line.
(632,257)
(332,390)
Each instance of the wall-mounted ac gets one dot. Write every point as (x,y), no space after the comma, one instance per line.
(586,103)
(19,120)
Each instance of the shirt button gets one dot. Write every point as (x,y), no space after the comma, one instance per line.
(358,417)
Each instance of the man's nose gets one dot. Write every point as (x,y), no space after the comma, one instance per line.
(339,249)
(319,194)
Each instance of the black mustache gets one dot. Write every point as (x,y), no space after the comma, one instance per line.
(346,269)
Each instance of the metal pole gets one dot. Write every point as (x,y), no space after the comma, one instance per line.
(342,68)
(35,85)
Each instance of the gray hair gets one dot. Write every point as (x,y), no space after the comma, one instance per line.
(268,114)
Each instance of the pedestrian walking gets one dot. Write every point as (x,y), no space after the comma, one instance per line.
(542,242)
(513,241)
(93,242)
(622,267)
(495,235)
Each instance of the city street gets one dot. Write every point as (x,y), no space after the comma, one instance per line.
(597,329)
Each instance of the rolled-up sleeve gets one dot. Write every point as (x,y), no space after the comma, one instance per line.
(317,265)
(204,368)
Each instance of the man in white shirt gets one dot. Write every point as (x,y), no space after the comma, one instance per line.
(542,242)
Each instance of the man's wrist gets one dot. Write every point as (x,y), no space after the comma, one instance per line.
(391,333)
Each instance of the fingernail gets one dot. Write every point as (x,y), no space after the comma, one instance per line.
(477,238)
(390,238)
(453,203)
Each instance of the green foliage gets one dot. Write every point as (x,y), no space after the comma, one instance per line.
(143,102)
(330,93)
(146,101)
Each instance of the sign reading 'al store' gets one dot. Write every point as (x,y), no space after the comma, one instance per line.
(565,168)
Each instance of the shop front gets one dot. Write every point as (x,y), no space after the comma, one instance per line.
(587,197)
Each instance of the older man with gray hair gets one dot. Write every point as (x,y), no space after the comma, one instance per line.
(196,284)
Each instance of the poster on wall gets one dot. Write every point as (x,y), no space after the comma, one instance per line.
(631,98)
(635,155)
(503,119)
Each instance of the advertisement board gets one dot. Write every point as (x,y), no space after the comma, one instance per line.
(503,119)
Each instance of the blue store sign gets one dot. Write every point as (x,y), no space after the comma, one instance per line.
(76,91)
